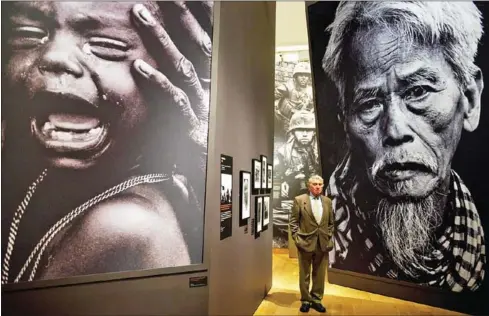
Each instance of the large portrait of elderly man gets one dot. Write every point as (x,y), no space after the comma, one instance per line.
(399,88)
(104,136)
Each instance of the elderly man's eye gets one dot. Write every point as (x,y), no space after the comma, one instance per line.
(25,37)
(369,111)
(107,48)
(416,93)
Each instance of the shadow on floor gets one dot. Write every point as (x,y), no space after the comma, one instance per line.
(283,298)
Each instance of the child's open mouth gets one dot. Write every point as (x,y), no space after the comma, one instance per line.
(68,124)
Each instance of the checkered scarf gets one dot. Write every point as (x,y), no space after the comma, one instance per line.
(457,261)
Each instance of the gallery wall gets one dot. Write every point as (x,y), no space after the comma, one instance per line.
(367,141)
(241,265)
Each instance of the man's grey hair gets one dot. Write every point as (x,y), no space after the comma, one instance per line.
(315,177)
(455,26)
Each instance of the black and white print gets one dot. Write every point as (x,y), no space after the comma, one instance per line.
(269,177)
(256,170)
(399,88)
(266,210)
(104,136)
(259,214)
(226,188)
(295,144)
(245,194)
(264,176)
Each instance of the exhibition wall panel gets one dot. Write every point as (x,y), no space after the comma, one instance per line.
(240,266)
(402,130)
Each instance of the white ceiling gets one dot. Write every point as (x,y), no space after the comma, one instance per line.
(291,28)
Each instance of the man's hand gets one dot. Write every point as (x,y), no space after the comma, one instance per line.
(188,91)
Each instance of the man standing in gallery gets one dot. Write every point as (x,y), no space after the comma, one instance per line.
(312,225)
(408,88)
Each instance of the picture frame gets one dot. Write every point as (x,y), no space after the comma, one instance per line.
(258,215)
(256,175)
(266,212)
(269,177)
(263,160)
(244,195)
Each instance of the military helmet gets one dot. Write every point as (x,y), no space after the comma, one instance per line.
(302,68)
(302,120)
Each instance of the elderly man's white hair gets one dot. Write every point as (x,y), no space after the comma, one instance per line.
(455,26)
(314,178)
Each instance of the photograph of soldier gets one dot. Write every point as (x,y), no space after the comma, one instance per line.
(294,95)
(294,162)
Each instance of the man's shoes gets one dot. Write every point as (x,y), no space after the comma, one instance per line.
(319,307)
(305,307)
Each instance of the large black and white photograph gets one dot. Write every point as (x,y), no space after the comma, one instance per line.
(105,111)
(399,90)
(296,155)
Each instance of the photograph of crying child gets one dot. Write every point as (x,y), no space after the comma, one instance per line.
(104,136)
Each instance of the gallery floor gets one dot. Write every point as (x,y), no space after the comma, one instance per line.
(284,296)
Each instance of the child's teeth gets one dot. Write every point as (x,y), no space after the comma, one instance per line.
(48,126)
(94,131)
(61,135)
(55,134)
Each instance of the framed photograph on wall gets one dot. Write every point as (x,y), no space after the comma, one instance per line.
(266,211)
(256,173)
(263,173)
(244,195)
(258,215)
(269,177)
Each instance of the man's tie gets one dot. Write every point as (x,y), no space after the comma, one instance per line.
(316,209)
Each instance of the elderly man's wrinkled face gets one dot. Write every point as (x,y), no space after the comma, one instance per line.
(72,63)
(406,115)
(304,136)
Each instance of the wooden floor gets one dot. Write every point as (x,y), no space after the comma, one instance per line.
(284,296)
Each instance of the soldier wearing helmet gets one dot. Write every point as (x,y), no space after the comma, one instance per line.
(295,95)
(298,159)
